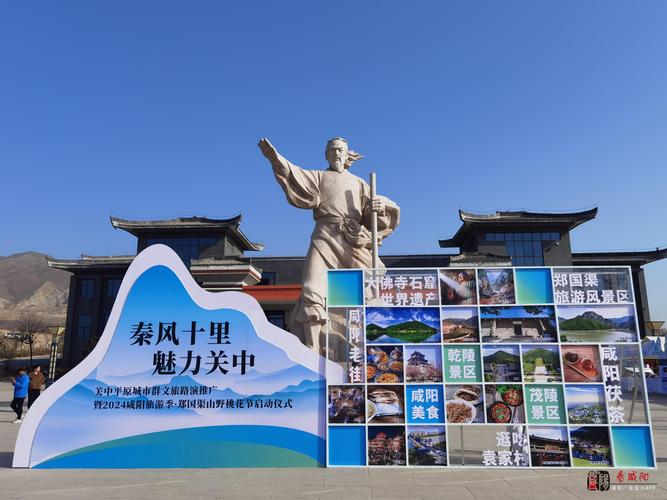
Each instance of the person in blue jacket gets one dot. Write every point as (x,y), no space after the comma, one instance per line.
(21,384)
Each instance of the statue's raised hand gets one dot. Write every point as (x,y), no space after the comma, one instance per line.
(267,149)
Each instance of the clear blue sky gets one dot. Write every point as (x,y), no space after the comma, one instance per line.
(153,110)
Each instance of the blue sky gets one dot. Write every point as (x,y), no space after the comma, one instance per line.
(153,110)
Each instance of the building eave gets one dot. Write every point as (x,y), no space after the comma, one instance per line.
(88,262)
(470,220)
(634,258)
(231,225)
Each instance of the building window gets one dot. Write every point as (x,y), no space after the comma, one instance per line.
(112,286)
(268,279)
(83,326)
(526,249)
(276,318)
(86,289)
(186,248)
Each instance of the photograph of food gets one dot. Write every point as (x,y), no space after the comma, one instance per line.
(385,404)
(464,404)
(581,363)
(504,404)
(346,404)
(384,364)
(386,445)
(424,364)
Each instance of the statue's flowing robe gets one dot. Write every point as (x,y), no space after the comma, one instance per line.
(341,204)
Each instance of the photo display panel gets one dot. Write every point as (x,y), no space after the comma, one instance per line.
(486,367)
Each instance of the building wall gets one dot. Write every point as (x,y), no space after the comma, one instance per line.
(560,252)
(505,327)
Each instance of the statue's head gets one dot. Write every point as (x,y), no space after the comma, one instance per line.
(336,154)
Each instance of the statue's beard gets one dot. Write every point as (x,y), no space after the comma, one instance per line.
(338,165)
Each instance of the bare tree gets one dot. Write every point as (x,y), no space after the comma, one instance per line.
(30,324)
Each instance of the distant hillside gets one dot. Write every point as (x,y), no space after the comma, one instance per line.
(471,322)
(501,357)
(27,283)
(591,320)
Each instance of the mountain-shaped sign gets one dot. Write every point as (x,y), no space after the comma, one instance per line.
(182,377)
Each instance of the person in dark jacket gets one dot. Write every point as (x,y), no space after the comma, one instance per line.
(21,384)
(36,381)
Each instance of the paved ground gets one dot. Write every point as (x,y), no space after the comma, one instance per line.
(308,483)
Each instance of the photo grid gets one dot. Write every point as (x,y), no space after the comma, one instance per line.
(486,367)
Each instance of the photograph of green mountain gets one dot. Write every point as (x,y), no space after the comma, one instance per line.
(408,325)
(541,363)
(501,364)
(599,323)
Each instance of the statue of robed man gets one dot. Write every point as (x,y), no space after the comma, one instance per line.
(342,209)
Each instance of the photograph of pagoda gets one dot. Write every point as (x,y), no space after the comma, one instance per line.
(424,364)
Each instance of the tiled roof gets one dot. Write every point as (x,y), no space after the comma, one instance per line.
(231,225)
(515,219)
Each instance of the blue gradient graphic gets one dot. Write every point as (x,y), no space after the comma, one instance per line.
(533,286)
(346,288)
(632,447)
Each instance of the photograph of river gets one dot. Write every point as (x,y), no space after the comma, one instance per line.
(597,323)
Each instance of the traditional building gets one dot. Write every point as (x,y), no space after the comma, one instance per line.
(221,257)
(516,323)
(546,452)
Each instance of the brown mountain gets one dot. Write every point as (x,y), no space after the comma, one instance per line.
(27,283)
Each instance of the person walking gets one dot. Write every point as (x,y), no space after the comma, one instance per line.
(36,381)
(21,384)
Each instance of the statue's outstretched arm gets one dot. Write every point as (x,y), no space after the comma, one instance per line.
(278,162)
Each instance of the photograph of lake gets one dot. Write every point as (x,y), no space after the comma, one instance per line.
(408,325)
(597,323)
